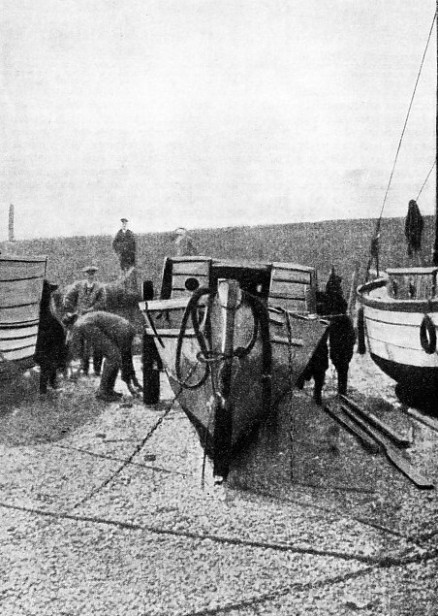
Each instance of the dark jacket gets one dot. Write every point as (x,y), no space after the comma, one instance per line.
(413,227)
(81,298)
(124,247)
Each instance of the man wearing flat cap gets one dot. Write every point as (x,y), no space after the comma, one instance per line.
(85,296)
(124,246)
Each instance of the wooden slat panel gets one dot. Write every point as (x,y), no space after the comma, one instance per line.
(11,270)
(18,333)
(293,273)
(289,289)
(191,268)
(24,353)
(11,345)
(20,314)
(297,267)
(19,292)
(411,287)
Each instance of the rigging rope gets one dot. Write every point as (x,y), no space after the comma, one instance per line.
(379,220)
(425,181)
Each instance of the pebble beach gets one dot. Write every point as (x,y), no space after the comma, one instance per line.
(110,509)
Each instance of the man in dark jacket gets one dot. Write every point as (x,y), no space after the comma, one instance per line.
(414,225)
(124,246)
(112,336)
(82,297)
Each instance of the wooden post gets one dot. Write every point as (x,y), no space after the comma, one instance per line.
(435,244)
(151,371)
(352,296)
(151,358)
(11,223)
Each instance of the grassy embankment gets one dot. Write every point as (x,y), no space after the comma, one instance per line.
(27,418)
(340,242)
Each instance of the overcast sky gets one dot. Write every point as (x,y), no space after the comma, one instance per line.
(211,113)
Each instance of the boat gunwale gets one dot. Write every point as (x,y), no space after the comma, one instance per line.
(18,259)
(393,304)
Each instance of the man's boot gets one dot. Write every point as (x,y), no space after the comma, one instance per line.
(106,390)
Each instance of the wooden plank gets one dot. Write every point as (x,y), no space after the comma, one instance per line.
(296,267)
(19,353)
(17,270)
(424,271)
(191,268)
(397,458)
(164,304)
(396,438)
(291,275)
(427,421)
(291,289)
(160,305)
(17,333)
(18,292)
(350,426)
(9,346)
(404,465)
(20,314)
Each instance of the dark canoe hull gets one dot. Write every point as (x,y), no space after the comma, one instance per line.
(21,283)
(392,330)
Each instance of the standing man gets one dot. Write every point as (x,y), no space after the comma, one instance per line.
(82,297)
(414,225)
(124,246)
(184,243)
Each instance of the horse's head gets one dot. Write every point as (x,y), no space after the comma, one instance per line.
(332,301)
(334,284)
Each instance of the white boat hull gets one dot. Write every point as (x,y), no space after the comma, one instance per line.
(392,329)
(21,283)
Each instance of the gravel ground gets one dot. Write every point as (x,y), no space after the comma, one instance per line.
(85,533)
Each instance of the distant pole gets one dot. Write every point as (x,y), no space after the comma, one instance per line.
(11,223)
(435,246)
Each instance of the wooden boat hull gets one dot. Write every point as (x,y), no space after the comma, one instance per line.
(393,335)
(254,390)
(21,283)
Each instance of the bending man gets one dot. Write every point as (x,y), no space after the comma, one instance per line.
(112,336)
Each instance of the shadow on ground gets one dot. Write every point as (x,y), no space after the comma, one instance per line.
(27,417)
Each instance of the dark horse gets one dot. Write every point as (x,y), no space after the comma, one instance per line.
(51,349)
(337,343)
(121,298)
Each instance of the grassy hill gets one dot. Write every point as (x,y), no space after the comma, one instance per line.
(321,244)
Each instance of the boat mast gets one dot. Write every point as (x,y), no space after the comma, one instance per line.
(435,246)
